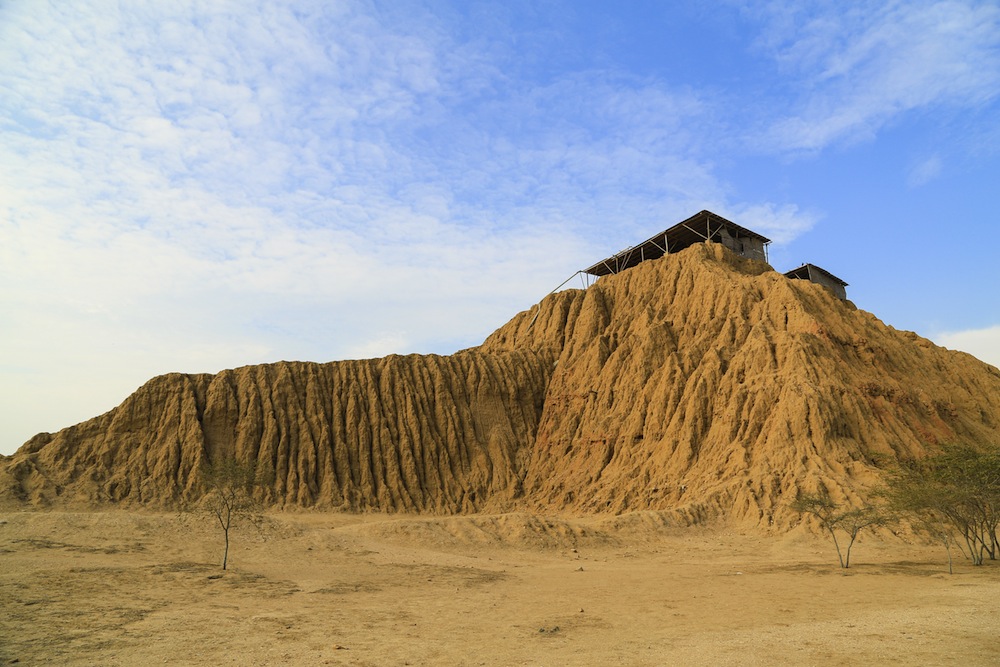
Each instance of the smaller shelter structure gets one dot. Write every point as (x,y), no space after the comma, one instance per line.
(823,277)
(701,227)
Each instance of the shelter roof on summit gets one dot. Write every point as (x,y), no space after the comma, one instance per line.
(821,276)
(807,272)
(703,226)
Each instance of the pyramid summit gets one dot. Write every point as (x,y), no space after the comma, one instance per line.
(699,382)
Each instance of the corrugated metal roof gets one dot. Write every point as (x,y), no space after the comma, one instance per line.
(682,235)
(803,273)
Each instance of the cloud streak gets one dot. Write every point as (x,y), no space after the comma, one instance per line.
(858,70)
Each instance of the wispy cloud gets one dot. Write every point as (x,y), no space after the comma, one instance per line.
(924,171)
(780,223)
(860,68)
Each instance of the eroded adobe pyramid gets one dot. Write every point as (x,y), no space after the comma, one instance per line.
(701,382)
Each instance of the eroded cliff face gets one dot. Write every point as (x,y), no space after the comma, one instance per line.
(418,433)
(701,383)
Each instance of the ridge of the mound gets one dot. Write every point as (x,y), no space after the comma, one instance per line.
(702,383)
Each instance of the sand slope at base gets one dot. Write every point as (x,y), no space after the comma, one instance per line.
(116,588)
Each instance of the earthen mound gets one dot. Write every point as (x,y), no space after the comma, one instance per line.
(701,384)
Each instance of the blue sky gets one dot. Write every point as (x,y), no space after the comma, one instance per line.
(196,186)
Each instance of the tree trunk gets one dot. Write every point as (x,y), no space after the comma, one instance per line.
(837,544)
(850,545)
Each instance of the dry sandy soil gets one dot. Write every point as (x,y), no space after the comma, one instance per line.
(118,588)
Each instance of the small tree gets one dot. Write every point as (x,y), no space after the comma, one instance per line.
(957,491)
(832,518)
(229,496)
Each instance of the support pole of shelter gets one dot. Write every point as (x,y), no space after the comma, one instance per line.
(537,309)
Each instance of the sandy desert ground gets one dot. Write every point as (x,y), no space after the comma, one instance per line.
(120,588)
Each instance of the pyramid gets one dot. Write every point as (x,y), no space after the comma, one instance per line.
(700,383)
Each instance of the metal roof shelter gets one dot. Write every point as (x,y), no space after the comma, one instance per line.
(701,227)
(820,276)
